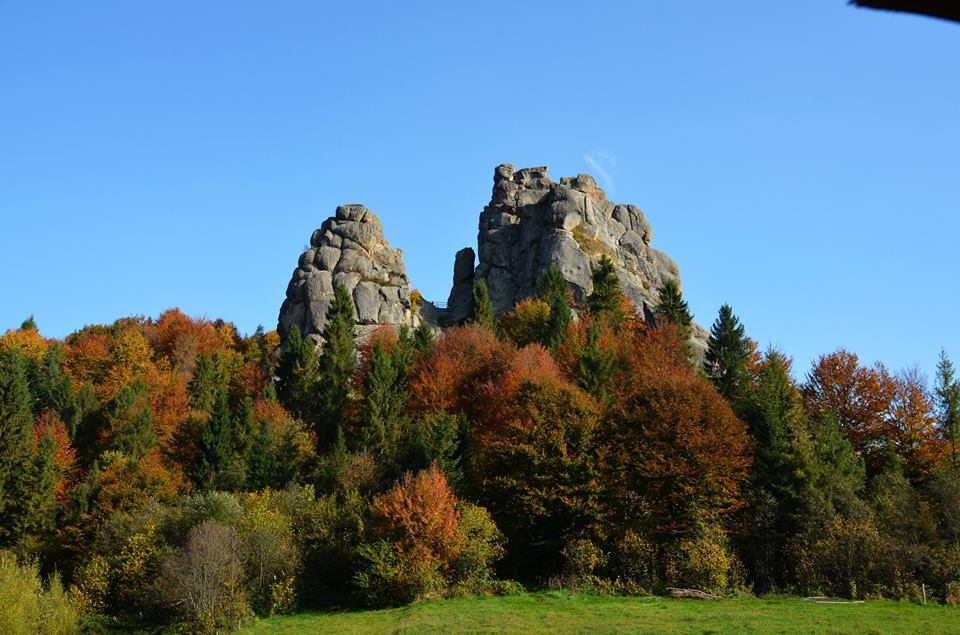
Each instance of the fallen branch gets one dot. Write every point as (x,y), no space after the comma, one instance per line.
(691,594)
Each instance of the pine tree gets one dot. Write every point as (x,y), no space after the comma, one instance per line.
(782,473)
(244,427)
(216,452)
(209,377)
(297,375)
(423,338)
(16,436)
(337,364)
(29,324)
(726,355)
(606,299)
(947,395)
(260,461)
(673,308)
(51,387)
(384,397)
(130,422)
(481,309)
(554,290)
(596,364)
(42,502)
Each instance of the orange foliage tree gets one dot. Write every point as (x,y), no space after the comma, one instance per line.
(674,453)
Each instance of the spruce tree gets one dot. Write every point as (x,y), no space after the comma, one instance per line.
(606,299)
(554,290)
(130,422)
(673,308)
(726,356)
(596,364)
(782,473)
(52,388)
(16,436)
(209,377)
(947,396)
(260,461)
(336,366)
(481,309)
(423,338)
(216,452)
(297,374)
(381,411)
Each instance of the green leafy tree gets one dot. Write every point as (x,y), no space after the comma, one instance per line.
(336,366)
(481,309)
(673,308)
(726,356)
(606,299)
(947,395)
(16,435)
(130,422)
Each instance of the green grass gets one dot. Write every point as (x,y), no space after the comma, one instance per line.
(555,613)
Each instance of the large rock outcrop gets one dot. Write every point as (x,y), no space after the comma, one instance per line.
(532,224)
(348,250)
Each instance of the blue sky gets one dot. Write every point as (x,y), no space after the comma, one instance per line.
(799,160)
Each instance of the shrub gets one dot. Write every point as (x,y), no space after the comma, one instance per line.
(701,563)
(479,546)
(635,559)
(580,558)
(204,580)
(951,594)
(386,576)
(273,558)
(26,608)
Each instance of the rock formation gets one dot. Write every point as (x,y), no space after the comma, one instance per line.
(530,225)
(348,250)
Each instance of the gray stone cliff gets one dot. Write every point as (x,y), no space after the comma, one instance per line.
(348,250)
(530,225)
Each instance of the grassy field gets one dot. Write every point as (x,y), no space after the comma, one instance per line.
(555,613)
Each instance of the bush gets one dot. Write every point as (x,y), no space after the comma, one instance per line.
(580,558)
(635,560)
(702,563)
(26,608)
(273,557)
(386,576)
(480,545)
(204,581)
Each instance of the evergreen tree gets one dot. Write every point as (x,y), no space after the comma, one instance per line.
(423,338)
(673,308)
(41,516)
(606,299)
(337,364)
(726,355)
(29,324)
(260,461)
(782,473)
(384,397)
(244,427)
(130,422)
(481,309)
(596,364)
(216,456)
(52,388)
(16,441)
(209,378)
(947,395)
(554,290)
(297,372)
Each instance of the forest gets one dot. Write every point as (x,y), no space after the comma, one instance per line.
(171,471)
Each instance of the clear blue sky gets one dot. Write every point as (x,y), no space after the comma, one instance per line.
(799,160)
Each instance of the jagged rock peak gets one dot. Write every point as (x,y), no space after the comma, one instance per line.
(532,224)
(348,250)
